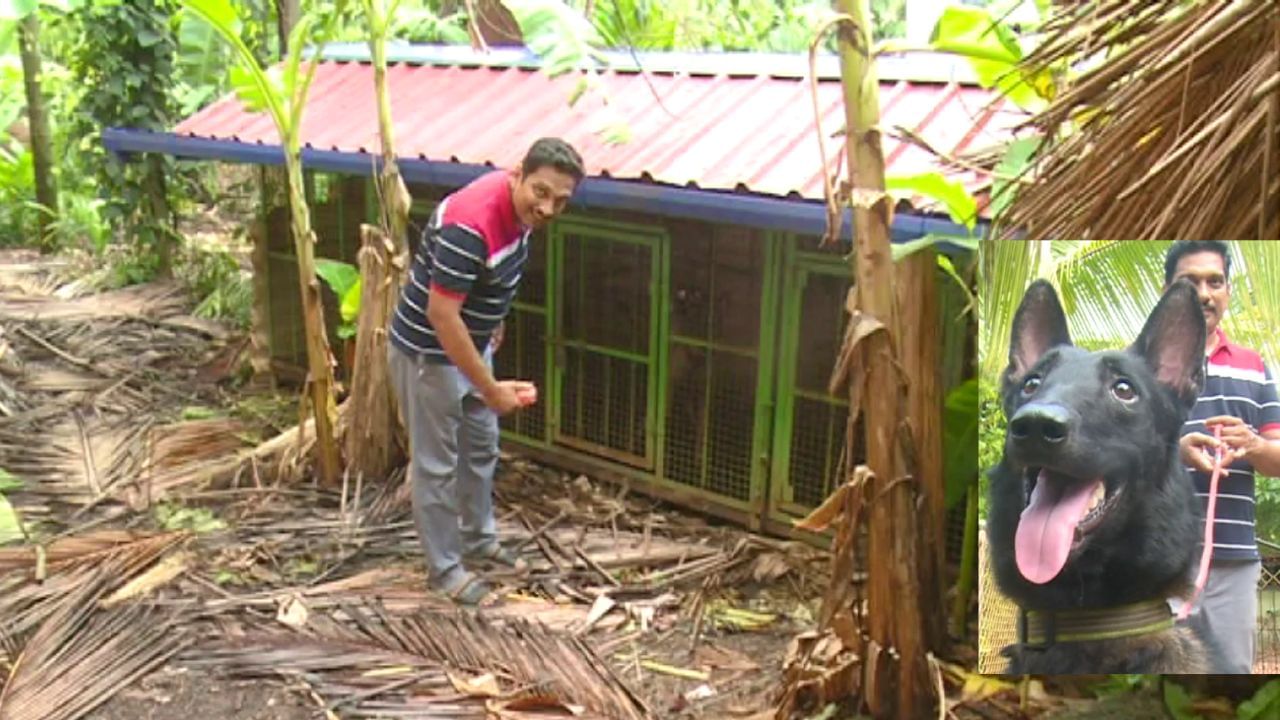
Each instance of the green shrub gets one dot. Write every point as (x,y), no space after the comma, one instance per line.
(216,277)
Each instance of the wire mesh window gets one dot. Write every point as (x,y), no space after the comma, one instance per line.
(523,355)
(1266,655)
(818,419)
(714,300)
(606,349)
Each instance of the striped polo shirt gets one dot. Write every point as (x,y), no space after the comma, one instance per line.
(475,249)
(1237,383)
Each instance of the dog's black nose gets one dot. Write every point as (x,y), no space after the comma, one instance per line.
(1039,422)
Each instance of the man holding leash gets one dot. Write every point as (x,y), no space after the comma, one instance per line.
(446,328)
(1240,402)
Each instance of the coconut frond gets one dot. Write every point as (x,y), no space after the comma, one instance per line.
(366,658)
(1173,132)
(81,655)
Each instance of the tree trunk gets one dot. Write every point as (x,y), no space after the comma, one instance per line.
(319,359)
(38,121)
(492,24)
(260,330)
(896,682)
(287,14)
(921,341)
(157,198)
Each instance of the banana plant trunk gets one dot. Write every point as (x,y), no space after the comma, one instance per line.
(38,120)
(895,682)
(319,365)
(395,196)
(371,429)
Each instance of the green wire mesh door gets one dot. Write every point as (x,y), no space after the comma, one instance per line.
(810,423)
(720,292)
(606,340)
(523,355)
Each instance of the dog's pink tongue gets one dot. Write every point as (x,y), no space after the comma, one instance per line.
(1048,526)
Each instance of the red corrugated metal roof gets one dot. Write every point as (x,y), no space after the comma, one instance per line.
(723,132)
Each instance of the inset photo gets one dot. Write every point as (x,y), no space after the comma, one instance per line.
(1129,443)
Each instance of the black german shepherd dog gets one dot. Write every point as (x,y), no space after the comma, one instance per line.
(1093,522)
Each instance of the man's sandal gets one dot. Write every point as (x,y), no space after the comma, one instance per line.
(471,592)
(496,554)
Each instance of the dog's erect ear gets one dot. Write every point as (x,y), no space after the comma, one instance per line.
(1038,326)
(1172,342)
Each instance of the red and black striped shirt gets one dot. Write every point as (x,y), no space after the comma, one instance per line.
(1237,383)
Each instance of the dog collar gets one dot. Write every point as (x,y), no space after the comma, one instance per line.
(1041,629)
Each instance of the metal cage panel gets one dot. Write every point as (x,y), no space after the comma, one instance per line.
(605,349)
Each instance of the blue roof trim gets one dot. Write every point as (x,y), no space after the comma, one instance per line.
(788,215)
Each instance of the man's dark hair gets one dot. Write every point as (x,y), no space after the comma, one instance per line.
(1188,247)
(555,153)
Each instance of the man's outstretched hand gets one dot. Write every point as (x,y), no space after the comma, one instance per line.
(508,395)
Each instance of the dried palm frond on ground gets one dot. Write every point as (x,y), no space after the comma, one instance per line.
(82,654)
(1174,132)
(69,645)
(90,425)
(423,658)
(96,373)
(32,581)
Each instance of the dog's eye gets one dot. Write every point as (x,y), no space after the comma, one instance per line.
(1124,391)
(1031,385)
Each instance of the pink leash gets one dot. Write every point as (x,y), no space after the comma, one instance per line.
(1203,576)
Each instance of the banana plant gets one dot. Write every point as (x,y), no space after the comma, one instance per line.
(395,197)
(23,14)
(281,92)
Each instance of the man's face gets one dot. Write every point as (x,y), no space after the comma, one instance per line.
(1205,270)
(541,195)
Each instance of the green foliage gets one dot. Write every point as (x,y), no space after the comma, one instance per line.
(123,65)
(763,25)
(282,90)
(994,52)
(1017,157)
(198,412)
(224,288)
(344,280)
(78,219)
(960,440)
(9,481)
(910,247)
(17,189)
(172,516)
(424,25)
(1122,684)
(1178,703)
(889,18)
(991,426)
(125,266)
(1267,497)
(16,9)
(201,64)
(11,529)
(1264,704)
(558,34)
(960,205)
(19,9)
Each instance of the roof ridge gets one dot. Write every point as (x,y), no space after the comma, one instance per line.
(915,66)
